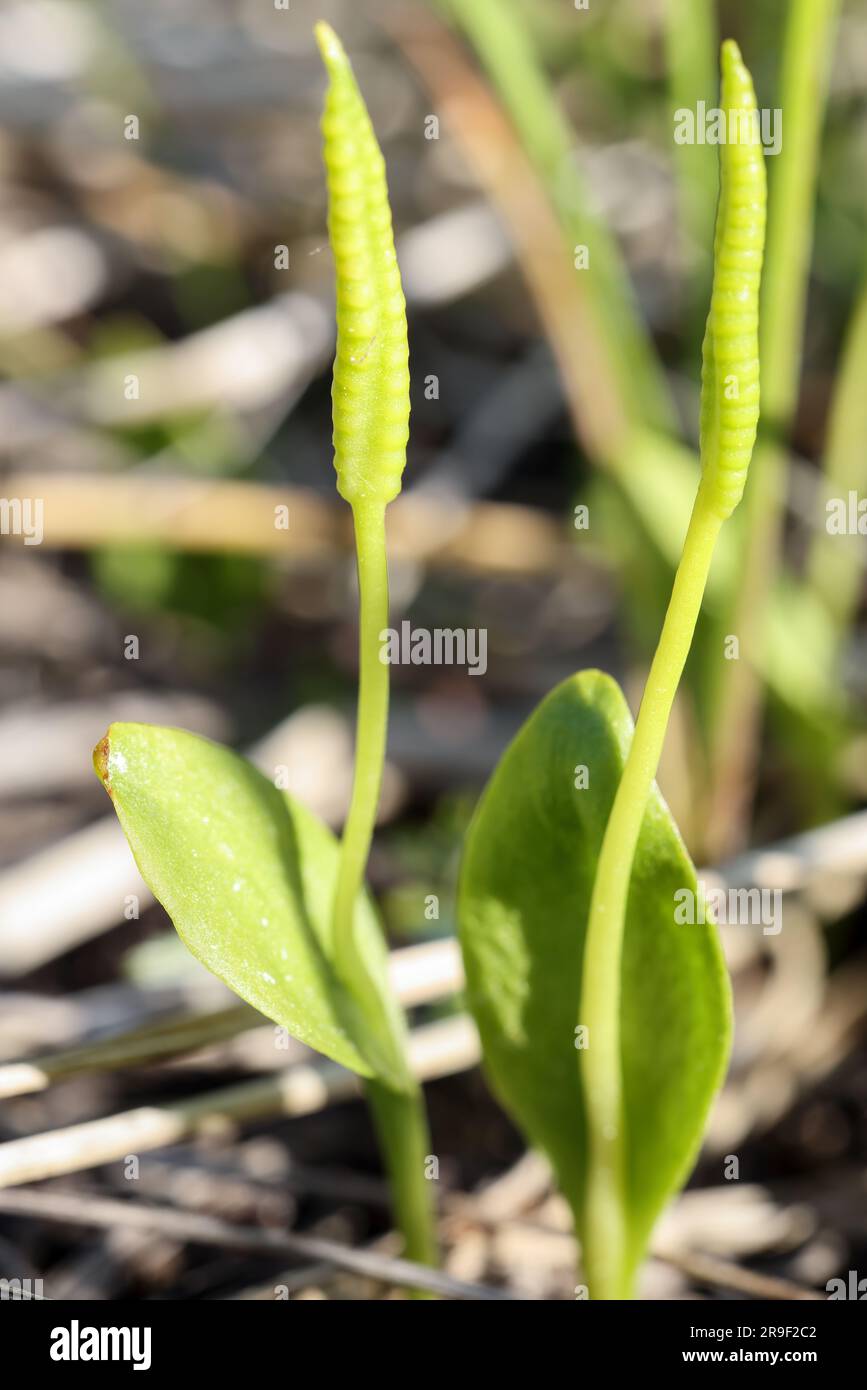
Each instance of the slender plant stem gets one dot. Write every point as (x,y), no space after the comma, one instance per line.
(371,725)
(399,1115)
(737,701)
(401,1124)
(606,1256)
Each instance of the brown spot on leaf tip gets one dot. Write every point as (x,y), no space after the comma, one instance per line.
(100,762)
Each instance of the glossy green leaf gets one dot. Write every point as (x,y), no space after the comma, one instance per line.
(247,876)
(526,880)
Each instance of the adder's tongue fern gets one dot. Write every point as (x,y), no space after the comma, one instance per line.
(729,418)
(370,400)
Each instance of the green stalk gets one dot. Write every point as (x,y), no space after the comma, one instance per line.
(399,1116)
(606,1257)
(737,702)
(835,563)
(729,416)
(370,400)
(371,724)
(401,1125)
(506,49)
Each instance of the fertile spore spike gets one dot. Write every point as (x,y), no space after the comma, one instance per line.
(370,393)
(730,359)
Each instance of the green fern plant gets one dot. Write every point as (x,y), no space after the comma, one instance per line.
(256,887)
(604,1021)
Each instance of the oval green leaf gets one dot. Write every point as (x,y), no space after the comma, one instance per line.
(526,880)
(247,876)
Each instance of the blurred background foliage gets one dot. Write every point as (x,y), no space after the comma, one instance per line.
(166,334)
(193,259)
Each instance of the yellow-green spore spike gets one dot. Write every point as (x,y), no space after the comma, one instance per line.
(370,392)
(730,365)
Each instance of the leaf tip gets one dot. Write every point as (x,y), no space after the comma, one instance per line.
(737,92)
(332,50)
(100,761)
(106,760)
(590,681)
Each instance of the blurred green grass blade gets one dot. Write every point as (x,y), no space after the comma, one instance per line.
(692,46)
(807,46)
(836,562)
(506,50)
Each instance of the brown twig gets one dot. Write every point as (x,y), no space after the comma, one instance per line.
(436,1049)
(419,974)
(84,510)
(140,1047)
(722,1274)
(108,1213)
